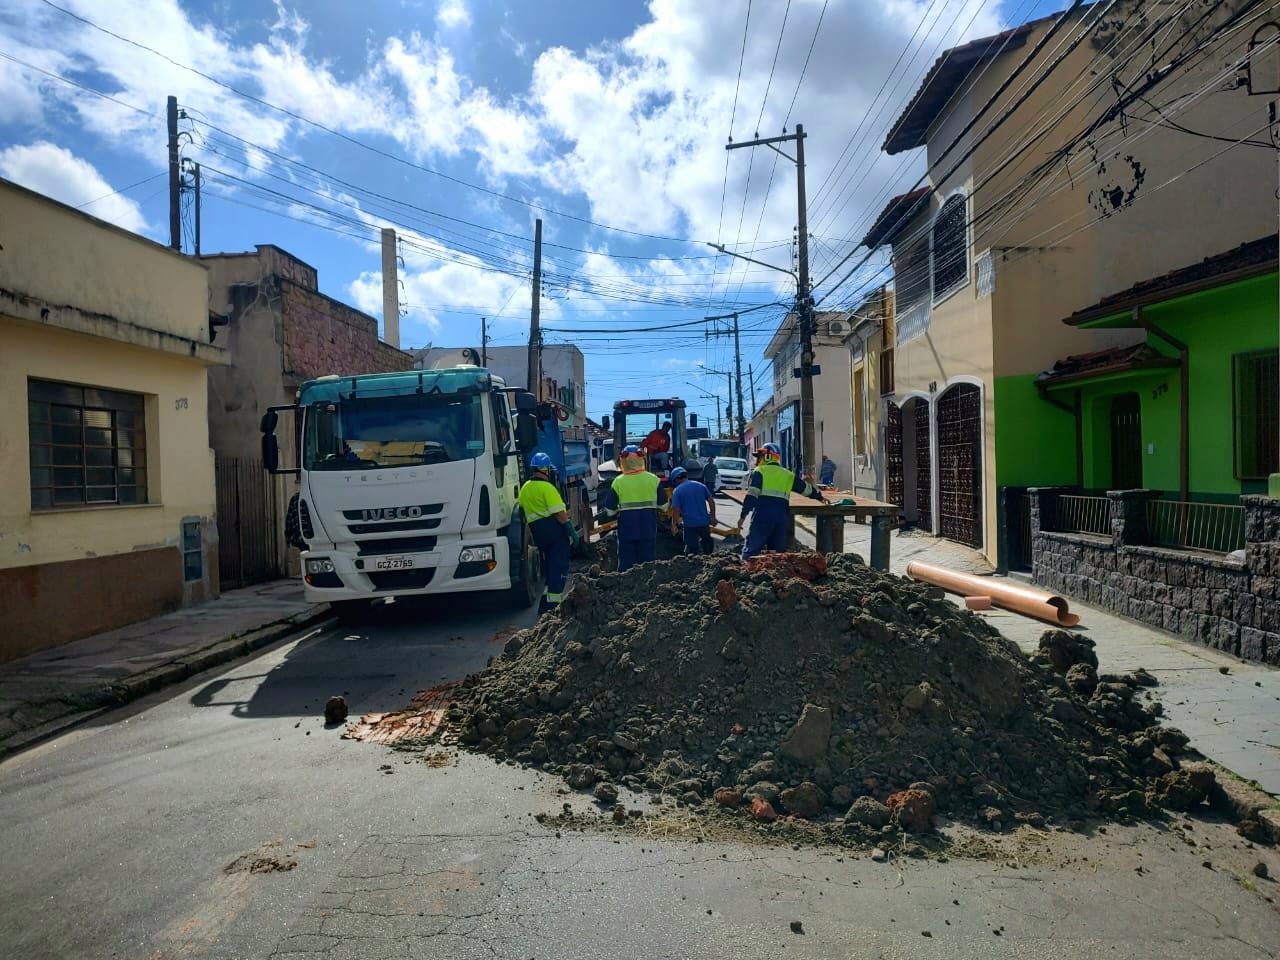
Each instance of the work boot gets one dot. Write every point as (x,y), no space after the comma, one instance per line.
(545,606)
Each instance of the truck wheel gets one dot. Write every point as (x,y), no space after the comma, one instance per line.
(528,590)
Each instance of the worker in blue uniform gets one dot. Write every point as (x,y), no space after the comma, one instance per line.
(768,502)
(694,509)
(552,531)
(633,499)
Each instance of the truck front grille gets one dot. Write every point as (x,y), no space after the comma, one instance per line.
(396,527)
(402,579)
(374,548)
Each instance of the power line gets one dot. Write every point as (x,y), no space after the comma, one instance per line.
(78,84)
(360,143)
(805,69)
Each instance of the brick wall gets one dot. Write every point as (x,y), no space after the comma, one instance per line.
(324,336)
(1224,604)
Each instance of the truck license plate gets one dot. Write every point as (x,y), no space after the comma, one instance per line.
(395,563)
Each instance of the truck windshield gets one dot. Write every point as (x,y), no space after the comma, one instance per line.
(393,432)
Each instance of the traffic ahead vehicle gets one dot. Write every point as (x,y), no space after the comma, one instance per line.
(732,473)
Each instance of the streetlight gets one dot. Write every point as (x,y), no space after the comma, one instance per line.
(728,379)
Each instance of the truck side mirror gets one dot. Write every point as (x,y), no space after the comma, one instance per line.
(604,425)
(526,431)
(270,451)
(526,402)
(269,421)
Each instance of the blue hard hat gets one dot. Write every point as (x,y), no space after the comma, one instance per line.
(770,451)
(679,473)
(540,461)
(631,448)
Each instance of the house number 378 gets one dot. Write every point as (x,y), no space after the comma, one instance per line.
(180,403)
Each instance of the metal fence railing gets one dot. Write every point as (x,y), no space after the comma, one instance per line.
(1077,514)
(1024,531)
(1211,527)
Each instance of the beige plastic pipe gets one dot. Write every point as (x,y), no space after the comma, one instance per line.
(1024,600)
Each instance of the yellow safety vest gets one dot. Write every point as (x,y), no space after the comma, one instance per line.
(776,481)
(540,499)
(637,491)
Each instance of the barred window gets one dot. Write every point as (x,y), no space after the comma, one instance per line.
(950,247)
(1257,413)
(88,445)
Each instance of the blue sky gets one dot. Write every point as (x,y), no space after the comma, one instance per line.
(460,121)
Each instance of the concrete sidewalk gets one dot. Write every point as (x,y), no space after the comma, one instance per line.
(48,691)
(1232,717)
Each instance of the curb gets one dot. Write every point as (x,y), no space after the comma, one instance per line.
(1241,801)
(175,671)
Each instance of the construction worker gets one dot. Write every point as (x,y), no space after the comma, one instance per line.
(548,519)
(657,444)
(633,499)
(768,502)
(693,506)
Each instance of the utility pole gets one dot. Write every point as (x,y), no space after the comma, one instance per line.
(196,178)
(484,342)
(751,379)
(804,300)
(175,177)
(737,366)
(535,316)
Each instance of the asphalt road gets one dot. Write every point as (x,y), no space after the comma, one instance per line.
(137,837)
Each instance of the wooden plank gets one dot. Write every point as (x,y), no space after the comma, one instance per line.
(805,507)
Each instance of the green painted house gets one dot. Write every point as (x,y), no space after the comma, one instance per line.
(1190,407)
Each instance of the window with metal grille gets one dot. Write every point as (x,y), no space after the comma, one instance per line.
(859,415)
(985,274)
(192,550)
(88,445)
(950,253)
(1256,409)
(911,285)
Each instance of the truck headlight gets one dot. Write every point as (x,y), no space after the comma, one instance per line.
(319,565)
(476,555)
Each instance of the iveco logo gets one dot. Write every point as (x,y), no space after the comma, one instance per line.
(391,513)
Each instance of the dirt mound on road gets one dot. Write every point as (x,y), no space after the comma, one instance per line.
(816,687)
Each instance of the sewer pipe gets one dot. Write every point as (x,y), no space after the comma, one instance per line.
(1019,599)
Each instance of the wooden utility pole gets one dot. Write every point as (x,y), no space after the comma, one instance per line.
(804,299)
(175,177)
(751,379)
(535,315)
(484,342)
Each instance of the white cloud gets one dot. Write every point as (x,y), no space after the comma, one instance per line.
(632,129)
(58,173)
(453,14)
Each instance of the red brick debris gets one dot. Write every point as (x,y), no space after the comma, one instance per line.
(421,718)
(762,810)
(726,596)
(803,566)
(913,809)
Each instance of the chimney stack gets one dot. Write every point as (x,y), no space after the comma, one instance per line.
(390,289)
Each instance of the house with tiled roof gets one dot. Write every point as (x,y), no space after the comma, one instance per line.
(1047,187)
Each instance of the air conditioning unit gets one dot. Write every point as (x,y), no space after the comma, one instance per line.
(837,328)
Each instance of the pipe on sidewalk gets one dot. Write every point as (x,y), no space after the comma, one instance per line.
(1024,600)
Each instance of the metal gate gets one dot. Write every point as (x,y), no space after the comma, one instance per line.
(248,522)
(893,453)
(924,467)
(960,464)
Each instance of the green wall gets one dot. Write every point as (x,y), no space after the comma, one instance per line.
(1215,325)
(1158,394)
(1035,441)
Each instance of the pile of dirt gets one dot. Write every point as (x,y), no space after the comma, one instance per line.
(817,688)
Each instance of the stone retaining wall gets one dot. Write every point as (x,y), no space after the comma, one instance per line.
(1207,598)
